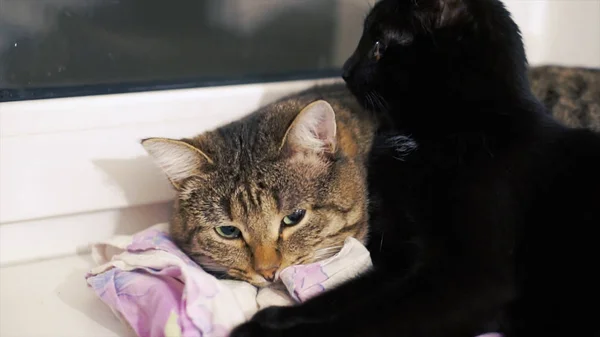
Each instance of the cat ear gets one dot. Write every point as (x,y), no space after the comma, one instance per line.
(178,160)
(313,130)
(445,12)
(451,11)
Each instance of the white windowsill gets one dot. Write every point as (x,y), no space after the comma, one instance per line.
(51,299)
(72,170)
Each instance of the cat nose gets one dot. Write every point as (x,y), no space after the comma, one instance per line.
(268,274)
(266,261)
(348,67)
(346,73)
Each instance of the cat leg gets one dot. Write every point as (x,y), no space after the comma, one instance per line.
(452,302)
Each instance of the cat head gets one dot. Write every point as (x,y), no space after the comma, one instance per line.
(435,49)
(283,186)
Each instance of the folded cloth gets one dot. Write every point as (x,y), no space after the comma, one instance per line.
(157,290)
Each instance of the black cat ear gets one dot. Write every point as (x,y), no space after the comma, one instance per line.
(443,12)
(178,160)
(450,11)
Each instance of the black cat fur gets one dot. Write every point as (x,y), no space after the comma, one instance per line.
(486,220)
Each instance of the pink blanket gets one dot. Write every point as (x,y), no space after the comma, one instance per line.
(158,291)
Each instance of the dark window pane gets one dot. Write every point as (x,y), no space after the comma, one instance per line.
(52,48)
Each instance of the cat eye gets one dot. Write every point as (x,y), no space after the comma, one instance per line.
(293,218)
(228,232)
(378,50)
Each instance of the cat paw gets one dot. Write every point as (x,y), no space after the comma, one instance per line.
(250,329)
(255,329)
(273,322)
(273,317)
(268,322)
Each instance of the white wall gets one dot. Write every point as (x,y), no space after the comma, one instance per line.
(564,32)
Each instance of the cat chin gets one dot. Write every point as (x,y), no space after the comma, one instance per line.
(355,91)
(262,284)
(258,281)
(370,100)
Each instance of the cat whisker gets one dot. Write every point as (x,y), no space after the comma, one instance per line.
(382,104)
(368,102)
(375,101)
(371,100)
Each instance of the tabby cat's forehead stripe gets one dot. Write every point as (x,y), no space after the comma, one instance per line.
(263,199)
(242,203)
(246,201)
(277,199)
(225,204)
(253,196)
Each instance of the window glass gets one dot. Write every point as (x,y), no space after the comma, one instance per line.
(54,48)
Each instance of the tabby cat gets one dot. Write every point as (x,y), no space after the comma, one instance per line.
(571,94)
(485,206)
(285,185)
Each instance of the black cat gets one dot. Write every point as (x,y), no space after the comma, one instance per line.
(485,206)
